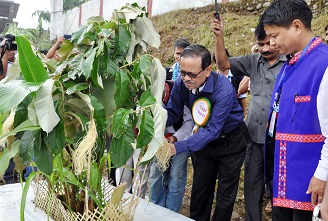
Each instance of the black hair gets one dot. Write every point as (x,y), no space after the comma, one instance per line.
(44,51)
(197,50)
(214,58)
(283,12)
(181,43)
(326,28)
(260,32)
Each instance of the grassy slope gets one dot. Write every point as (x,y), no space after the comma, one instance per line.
(194,25)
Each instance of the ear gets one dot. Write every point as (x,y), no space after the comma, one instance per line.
(297,25)
(208,70)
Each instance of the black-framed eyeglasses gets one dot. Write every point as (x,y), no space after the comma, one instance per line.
(191,75)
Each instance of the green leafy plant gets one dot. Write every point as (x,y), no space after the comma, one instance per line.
(62,113)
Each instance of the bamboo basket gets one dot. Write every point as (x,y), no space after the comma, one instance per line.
(47,201)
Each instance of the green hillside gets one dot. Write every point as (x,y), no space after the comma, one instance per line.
(194,24)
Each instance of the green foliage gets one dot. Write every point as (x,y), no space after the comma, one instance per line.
(146,128)
(147,99)
(31,66)
(24,194)
(6,155)
(26,146)
(14,92)
(43,15)
(122,96)
(42,156)
(55,140)
(121,122)
(26,125)
(103,86)
(121,148)
(39,38)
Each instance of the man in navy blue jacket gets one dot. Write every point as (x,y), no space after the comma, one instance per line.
(220,137)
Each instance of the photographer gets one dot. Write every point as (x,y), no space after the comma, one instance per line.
(11,58)
(7,53)
(52,53)
(4,59)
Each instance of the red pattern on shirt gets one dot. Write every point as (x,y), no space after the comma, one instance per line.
(301,99)
(303,138)
(293,204)
(294,59)
(282,171)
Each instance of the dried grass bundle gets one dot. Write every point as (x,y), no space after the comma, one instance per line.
(7,127)
(163,156)
(84,149)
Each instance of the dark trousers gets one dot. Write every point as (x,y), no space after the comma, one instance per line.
(222,160)
(287,214)
(11,176)
(254,182)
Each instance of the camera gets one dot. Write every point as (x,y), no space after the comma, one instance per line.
(67,37)
(10,42)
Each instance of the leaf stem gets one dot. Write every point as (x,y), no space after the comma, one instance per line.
(138,110)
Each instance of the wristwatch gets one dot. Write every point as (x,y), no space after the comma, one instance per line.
(316,213)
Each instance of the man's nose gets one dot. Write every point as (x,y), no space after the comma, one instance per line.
(266,48)
(186,78)
(272,42)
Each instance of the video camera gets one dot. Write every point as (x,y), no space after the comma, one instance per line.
(67,37)
(10,43)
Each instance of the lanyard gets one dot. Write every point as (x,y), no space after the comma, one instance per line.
(284,78)
(286,75)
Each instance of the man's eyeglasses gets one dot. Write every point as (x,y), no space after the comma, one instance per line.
(191,75)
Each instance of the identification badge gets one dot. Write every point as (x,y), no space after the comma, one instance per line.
(272,123)
(201,112)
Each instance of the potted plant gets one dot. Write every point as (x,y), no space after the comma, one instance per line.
(59,115)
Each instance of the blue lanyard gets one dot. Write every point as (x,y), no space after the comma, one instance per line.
(285,75)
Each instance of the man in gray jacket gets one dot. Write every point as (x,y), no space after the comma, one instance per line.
(262,68)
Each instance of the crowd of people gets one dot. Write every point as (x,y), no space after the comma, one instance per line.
(287,153)
(287,74)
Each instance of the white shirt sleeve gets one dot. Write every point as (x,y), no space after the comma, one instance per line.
(243,96)
(322,106)
(186,129)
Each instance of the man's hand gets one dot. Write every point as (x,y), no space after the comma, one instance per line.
(221,56)
(4,61)
(60,40)
(217,25)
(3,43)
(317,188)
(173,150)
